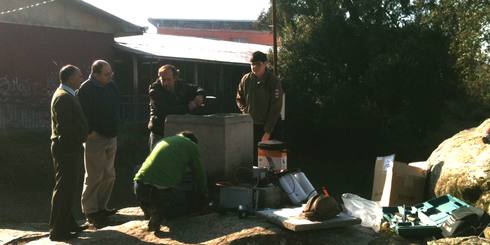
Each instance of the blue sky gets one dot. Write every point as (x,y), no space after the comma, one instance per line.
(138,11)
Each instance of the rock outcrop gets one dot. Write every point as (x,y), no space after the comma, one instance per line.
(460,166)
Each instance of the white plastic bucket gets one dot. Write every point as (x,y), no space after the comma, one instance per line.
(272,155)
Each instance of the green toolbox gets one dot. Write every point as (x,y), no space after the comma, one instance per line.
(424,219)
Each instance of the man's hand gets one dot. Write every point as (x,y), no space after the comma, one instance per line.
(192,105)
(196,102)
(266,137)
(199,100)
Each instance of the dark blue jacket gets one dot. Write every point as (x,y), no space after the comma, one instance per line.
(101,105)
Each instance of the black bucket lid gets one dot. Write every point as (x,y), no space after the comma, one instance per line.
(275,145)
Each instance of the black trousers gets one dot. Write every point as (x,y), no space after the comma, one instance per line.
(153,201)
(168,203)
(67,162)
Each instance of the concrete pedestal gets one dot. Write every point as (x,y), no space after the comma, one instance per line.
(225,141)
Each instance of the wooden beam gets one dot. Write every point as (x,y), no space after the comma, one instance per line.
(135,74)
(135,87)
(196,74)
(221,89)
(274,34)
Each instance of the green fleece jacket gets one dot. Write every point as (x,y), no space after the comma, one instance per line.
(168,162)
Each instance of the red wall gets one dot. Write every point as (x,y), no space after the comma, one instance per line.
(30,59)
(35,54)
(257,37)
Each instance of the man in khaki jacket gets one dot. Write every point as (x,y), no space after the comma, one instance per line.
(260,95)
(68,132)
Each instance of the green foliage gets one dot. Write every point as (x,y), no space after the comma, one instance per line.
(467,25)
(377,73)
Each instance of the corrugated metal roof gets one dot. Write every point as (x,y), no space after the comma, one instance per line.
(206,24)
(190,48)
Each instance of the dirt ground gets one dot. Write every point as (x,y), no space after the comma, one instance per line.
(213,228)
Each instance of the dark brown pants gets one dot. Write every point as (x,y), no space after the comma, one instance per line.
(67,163)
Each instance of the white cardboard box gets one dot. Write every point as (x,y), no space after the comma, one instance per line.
(397,183)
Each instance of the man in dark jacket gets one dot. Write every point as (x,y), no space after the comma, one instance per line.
(100,101)
(260,95)
(169,96)
(68,132)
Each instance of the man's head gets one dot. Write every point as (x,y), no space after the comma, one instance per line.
(102,71)
(258,63)
(71,76)
(190,135)
(168,74)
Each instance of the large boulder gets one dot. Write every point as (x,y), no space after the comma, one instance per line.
(460,166)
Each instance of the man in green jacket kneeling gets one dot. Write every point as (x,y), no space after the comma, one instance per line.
(171,181)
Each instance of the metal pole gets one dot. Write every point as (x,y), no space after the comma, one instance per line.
(274,35)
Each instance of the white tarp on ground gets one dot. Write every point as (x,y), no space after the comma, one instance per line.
(190,48)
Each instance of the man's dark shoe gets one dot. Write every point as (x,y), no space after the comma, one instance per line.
(486,139)
(78,229)
(154,223)
(62,236)
(98,220)
(146,216)
(108,212)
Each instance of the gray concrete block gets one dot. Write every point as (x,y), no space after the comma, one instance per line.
(225,141)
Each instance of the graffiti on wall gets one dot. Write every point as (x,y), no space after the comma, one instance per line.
(24,104)
(12,90)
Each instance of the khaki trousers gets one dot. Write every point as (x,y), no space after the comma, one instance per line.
(100,174)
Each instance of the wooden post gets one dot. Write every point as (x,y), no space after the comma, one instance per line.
(135,87)
(196,74)
(221,89)
(274,35)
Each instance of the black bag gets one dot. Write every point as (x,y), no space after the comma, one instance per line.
(465,221)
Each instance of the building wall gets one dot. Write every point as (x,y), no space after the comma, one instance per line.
(245,36)
(65,14)
(30,61)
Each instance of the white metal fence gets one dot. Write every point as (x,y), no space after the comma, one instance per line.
(21,116)
(12,115)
